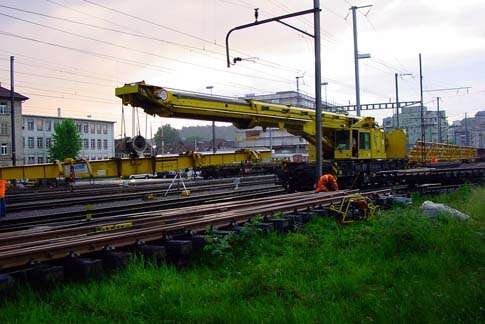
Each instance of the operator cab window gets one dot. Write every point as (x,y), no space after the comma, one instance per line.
(342,140)
(364,141)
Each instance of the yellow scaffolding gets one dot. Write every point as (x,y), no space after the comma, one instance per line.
(440,152)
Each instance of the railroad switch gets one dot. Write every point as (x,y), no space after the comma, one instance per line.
(76,268)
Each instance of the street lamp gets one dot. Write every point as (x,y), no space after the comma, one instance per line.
(213,125)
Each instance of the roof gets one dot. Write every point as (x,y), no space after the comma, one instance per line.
(67,117)
(5,94)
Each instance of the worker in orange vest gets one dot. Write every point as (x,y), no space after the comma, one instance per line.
(327,182)
(3,190)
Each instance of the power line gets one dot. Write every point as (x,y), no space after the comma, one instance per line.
(214,43)
(59,78)
(134,34)
(134,62)
(129,48)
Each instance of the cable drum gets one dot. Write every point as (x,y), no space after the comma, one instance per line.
(139,144)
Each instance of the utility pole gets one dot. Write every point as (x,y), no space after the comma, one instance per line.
(213,126)
(12,110)
(318,87)
(439,118)
(423,136)
(357,56)
(397,99)
(318,76)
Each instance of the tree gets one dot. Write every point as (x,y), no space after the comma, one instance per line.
(66,141)
(171,136)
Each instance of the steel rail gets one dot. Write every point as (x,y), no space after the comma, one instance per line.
(9,239)
(91,190)
(118,196)
(61,218)
(22,256)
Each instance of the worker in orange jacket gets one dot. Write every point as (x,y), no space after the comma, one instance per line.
(3,190)
(327,182)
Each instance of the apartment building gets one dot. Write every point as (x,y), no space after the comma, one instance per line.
(97,138)
(6,127)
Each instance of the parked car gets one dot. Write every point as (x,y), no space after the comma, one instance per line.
(141,176)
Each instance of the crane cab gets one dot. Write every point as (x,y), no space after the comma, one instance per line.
(359,144)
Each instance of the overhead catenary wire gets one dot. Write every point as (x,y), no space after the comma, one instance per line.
(129,61)
(189,35)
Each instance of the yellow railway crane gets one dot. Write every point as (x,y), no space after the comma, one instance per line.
(357,144)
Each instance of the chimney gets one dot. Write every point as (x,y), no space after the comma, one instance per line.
(59,112)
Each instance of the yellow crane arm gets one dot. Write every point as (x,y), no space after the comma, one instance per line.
(243,113)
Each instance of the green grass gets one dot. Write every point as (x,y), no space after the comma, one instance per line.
(399,267)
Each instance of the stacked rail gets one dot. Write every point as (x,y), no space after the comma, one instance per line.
(21,248)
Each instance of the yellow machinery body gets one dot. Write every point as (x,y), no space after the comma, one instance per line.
(344,137)
(127,167)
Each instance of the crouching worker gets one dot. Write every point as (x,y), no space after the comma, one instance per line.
(3,190)
(327,182)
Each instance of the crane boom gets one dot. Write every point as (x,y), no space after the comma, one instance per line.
(249,113)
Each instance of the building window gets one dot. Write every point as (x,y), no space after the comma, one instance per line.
(86,128)
(79,127)
(23,142)
(93,144)
(3,109)
(48,125)
(105,144)
(30,125)
(92,128)
(30,142)
(31,160)
(4,128)
(40,160)
(56,123)
(4,149)
(99,144)
(105,129)
(98,128)
(40,124)
(40,142)
(48,142)
(86,143)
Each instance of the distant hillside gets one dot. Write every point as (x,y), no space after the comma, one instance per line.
(205,132)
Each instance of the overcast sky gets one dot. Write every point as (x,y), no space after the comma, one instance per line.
(66,63)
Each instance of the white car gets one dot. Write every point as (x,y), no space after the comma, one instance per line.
(140,176)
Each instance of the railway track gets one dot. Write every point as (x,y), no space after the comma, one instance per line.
(92,214)
(21,248)
(118,188)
